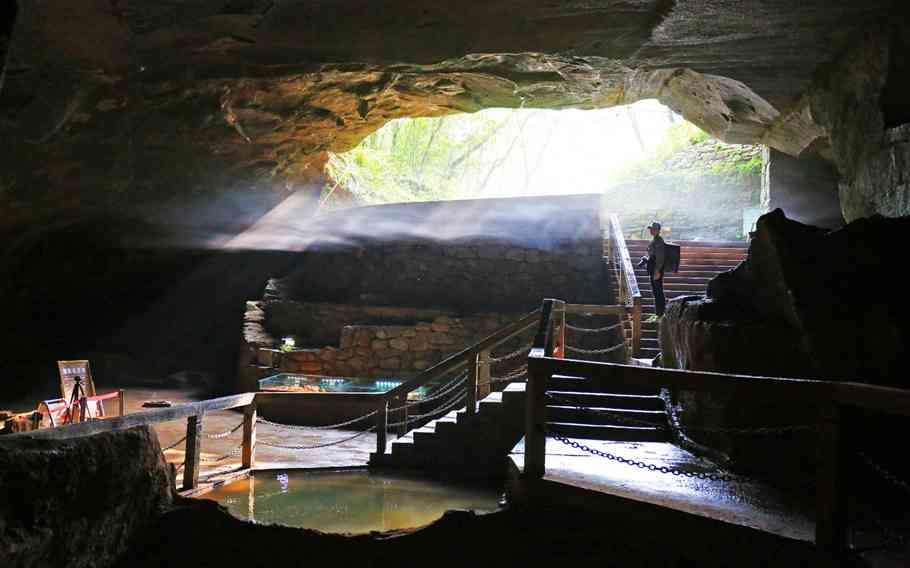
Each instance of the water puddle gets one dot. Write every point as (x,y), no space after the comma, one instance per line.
(348,501)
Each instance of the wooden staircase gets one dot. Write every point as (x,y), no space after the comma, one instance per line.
(701,261)
(462,445)
(585,408)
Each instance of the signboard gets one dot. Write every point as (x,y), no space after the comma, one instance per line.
(69,370)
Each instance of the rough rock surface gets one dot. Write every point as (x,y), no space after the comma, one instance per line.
(79,502)
(704,334)
(818,298)
(549,536)
(173,122)
(148,104)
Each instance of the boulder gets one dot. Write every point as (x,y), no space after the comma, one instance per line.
(79,502)
(829,288)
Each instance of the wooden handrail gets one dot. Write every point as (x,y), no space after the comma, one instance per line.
(829,397)
(141,418)
(626,281)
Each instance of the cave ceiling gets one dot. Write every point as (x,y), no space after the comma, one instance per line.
(142,104)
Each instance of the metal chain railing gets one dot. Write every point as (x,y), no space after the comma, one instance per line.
(616,347)
(594,329)
(512,376)
(675,471)
(224,434)
(751,431)
(315,446)
(235,452)
(520,351)
(604,412)
(441,411)
(282,426)
(174,445)
(445,390)
(884,473)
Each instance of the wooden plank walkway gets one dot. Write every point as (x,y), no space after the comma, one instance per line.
(745,504)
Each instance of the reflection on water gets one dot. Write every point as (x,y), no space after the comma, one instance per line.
(347,502)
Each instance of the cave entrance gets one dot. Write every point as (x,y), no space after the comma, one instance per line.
(647,162)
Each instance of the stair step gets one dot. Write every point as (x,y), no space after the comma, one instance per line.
(599,432)
(612,400)
(604,416)
(648,353)
(586,385)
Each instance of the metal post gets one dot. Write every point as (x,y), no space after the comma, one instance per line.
(250,414)
(193,451)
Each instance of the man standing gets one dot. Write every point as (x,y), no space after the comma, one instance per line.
(656,260)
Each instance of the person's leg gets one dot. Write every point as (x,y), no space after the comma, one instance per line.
(659,301)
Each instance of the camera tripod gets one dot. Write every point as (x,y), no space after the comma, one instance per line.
(76,398)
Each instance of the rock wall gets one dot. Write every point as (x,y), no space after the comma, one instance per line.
(817,296)
(805,189)
(472,255)
(79,502)
(699,192)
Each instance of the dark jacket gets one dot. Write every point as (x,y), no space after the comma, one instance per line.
(656,255)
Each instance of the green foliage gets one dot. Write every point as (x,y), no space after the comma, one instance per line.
(421,159)
(679,136)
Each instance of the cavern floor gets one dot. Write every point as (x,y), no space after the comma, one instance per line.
(747,504)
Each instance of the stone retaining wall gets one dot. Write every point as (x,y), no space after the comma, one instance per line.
(490,255)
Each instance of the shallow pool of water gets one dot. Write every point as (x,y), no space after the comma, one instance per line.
(348,501)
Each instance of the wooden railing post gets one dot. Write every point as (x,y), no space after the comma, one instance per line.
(535,423)
(193,451)
(382,420)
(831,490)
(636,327)
(248,457)
(470,400)
(402,415)
(561,332)
(484,386)
(121,398)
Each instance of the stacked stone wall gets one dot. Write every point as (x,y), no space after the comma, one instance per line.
(699,192)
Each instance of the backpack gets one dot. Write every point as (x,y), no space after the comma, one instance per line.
(672,257)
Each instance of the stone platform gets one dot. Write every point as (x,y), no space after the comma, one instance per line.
(745,504)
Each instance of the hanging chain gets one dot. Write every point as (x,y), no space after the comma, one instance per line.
(885,473)
(601,411)
(235,452)
(224,434)
(594,329)
(438,412)
(704,475)
(281,426)
(595,351)
(520,351)
(316,446)
(174,445)
(755,431)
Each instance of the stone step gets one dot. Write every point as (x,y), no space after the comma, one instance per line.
(586,385)
(649,353)
(694,258)
(601,432)
(612,400)
(604,416)
(738,245)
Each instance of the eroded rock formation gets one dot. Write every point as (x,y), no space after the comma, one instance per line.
(807,302)
(79,502)
(173,123)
